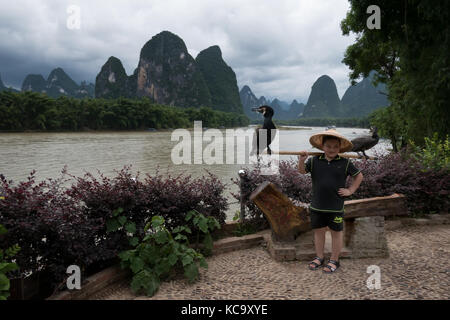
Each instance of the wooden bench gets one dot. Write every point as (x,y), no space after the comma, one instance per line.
(363,219)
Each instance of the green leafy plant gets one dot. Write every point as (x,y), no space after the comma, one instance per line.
(6,266)
(206,225)
(161,253)
(435,154)
(242,228)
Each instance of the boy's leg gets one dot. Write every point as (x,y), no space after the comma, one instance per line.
(319,243)
(319,223)
(336,229)
(336,244)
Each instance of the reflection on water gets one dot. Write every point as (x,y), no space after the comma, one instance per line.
(48,153)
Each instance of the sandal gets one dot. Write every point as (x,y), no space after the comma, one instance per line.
(332,269)
(316,265)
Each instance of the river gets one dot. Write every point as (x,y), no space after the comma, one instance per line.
(48,153)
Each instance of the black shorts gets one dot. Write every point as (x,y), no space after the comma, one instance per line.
(332,220)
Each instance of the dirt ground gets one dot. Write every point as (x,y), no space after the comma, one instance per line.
(418,267)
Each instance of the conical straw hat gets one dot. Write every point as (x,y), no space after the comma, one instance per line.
(316,140)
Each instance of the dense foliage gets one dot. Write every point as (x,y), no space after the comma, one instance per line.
(434,155)
(56,226)
(34,111)
(6,265)
(162,253)
(427,189)
(410,54)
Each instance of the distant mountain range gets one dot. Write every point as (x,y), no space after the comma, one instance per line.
(282,110)
(4,88)
(358,101)
(167,74)
(57,84)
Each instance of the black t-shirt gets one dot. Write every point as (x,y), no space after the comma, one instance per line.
(327,178)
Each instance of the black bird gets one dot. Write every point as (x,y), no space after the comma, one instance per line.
(268,125)
(364,143)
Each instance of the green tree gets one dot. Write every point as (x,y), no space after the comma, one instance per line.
(410,55)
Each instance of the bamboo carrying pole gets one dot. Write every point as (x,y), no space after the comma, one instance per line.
(344,155)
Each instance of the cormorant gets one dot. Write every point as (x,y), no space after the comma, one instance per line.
(268,125)
(362,144)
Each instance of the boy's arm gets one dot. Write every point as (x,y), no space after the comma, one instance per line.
(301,162)
(345,192)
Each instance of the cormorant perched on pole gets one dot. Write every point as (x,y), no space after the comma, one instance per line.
(268,125)
(362,144)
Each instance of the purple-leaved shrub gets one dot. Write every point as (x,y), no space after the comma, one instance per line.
(56,226)
(427,191)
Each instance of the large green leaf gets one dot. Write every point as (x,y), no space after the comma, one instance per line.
(203,225)
(152,285)
(180,237)
(208,242)
(126,255)
(150,254)
(189,215)
(157,221)
(172,259)
(130,227)
(117,211)
(202,262)
(4,282)
(186,259)
(163,267)
(134,241)
(191,271)
(122,220)
(7,267)
(161,237)
(137,264)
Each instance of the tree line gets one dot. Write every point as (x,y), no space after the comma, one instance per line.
(35,111)
(410,54)
(326,122)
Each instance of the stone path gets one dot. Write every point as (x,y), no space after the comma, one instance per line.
(418,268)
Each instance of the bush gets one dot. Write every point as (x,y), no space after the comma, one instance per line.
(435,155)
(6,265)
(57,226)
(47,225)
(427,190)
(289,181)
(161,253)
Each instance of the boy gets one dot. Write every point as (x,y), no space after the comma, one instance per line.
(329,173)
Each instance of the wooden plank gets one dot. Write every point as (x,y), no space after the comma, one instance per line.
(393,205)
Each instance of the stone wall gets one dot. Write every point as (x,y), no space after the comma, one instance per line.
(368,239)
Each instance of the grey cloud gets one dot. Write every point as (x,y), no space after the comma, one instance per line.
(278,48)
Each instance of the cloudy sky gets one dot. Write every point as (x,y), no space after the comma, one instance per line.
(278,48)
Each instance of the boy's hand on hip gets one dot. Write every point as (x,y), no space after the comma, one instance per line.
(343,192)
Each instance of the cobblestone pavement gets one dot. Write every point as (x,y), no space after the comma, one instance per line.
(418,268)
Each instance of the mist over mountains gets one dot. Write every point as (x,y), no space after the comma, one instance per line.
(358,101)
(168,75)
